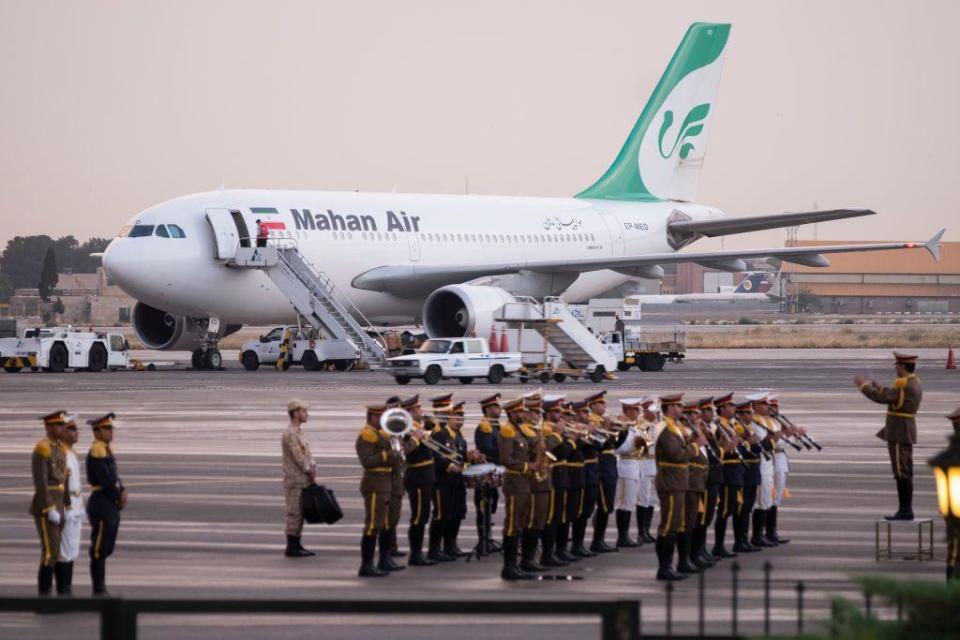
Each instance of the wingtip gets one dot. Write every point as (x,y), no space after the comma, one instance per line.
(933,245)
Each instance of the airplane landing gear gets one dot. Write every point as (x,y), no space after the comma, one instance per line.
(207,356)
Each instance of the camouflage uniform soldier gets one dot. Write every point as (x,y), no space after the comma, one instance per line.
(299,472)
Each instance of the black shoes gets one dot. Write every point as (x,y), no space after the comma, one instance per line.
(417,559)
(664,547)
(295,549)
(528,555)
(772,527)
(905,498)
(386,556)
(511,572)
(684,565)
(644,519)
(368,570)
(623,531)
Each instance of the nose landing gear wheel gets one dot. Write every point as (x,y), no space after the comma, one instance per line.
(212,359)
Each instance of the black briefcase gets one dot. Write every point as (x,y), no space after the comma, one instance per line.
(320,505)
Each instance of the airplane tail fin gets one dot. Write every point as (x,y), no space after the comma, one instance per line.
(755,282)
(663,156)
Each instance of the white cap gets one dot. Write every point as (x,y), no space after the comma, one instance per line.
(554,398)
(757,397)
(631,402)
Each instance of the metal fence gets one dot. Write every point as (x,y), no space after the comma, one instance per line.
(619,619)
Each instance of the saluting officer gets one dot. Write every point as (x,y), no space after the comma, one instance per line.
(628,471)
(673,479)
(752,457)
(900,428)
(485,498)
(419,479)
(560,447)
(515,455)
(73,515)
(48,468)
(731,493)
(108,498)
(646,490)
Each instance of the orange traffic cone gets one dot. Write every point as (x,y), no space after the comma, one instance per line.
(503,342)
(493,339)
(950,362)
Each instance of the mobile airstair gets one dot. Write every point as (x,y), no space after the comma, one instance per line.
(578,347)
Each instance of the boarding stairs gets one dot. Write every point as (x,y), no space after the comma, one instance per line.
(313,295)
(578,347)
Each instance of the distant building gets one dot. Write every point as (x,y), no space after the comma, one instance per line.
(87,298)
(882,281)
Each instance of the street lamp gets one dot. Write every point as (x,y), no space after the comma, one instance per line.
(946,471)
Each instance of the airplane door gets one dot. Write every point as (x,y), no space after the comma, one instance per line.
(413,243)
(616,233)
(225,232)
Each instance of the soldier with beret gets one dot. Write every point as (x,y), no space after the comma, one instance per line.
(419,480)
(299,472)
(108,498)
(485,498)
(673,480)
(900,428)
(48,468)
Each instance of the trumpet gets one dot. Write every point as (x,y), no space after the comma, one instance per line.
(590,435)
(443,450)
(398,423)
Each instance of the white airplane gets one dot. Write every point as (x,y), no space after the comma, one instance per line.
(753,288)
(404,258)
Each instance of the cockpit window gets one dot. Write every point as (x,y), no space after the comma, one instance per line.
(162,231)
(141,230)
(176,231)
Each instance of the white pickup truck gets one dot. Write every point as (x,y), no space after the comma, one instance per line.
(57,349)
(286,345)
(461,358)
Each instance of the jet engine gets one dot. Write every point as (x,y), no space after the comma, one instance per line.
(164,331)
(461,310)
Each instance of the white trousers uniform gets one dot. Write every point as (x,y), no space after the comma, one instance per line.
(781,468)
(646,491)
(628,473)
(765,493)
(75,514)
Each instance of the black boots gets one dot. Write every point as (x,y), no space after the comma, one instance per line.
(415,538)
(368,547)
(683,551)
(720,533)
(623,530)
(98,577)
(451,529)
(295,549)
(579,533)
(664,547)
(386,556)
(741,533)
(644,519)
(436,541)
(758,538)
(64,574)
(563,537)
(510,570)
(548,543)
(599,543)
(772,533)
(528,551)
(44,580)
(905,498)
(699,556)
(395,551)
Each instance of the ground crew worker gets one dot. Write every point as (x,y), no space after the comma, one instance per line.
(628,471)
(900,428)
(73,515)
(108,498)
(646,490)
(451,488)
(418,480)
(763,426)
(299,472)
(48,468)
(673,479)
(485,497)
(591,481)
(560,447)
(731,493)
(515,455)
(263,232)
(752,456)
(378,456)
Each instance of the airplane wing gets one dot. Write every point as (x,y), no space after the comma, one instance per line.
(730,226)
(416,280)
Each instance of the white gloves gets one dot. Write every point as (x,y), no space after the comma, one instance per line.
(53,516)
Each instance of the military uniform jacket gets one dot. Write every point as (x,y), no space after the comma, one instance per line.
(733,467)
(752,456)
(591,458)
(102,476)
(575,471)
(515,456)
(560,447)
(485,439)
(715,470)
(903,402)
(378,460)
(48,466)
(628,465)
(297,461)
(698,468)
(456,441)
(673,458)
(419,467)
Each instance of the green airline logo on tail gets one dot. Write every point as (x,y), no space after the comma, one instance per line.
(692,127)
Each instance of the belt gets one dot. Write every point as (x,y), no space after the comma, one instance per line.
(628,457)
(95,487)
(608,453)
(900,415)
(514,472)
(576,465)
(75,494)
(55,487)
(380,470)
(697,465)
(417,465)
(594,461)
(674,465)
(750,461)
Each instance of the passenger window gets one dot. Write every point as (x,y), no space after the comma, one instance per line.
(457,348)
(176,231)
(474,346)
(162,231)
(116,343)
(141,230)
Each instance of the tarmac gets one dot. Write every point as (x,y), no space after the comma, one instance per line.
(199,453)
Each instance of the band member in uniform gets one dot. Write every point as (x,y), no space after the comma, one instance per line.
(451,489)
(572,501)
(673,478)
(108,498)
(701,552)
(731,493)
(541,486)
(419,479)
(299,472)
(695,498)
(607,467)
(781,470)
(396,504)
(752,456)
(900,428)
(485,498)
(763,426)
(74,514)
(515,455)
(560,447)
(628,470)
(646,490)
(49,471)
(591,480)
(379,455)
(432,422)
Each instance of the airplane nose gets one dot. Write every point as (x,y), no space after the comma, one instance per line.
(127,268)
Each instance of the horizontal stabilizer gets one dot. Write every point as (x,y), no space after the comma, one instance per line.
(730,226)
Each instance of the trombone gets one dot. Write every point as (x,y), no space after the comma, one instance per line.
(805,438)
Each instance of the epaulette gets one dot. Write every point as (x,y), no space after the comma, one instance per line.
(508,431)
(98,449)
(43,448)
(553,434)
(484,427)
(369,434)
(528,430)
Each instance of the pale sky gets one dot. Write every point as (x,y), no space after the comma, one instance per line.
(110,107)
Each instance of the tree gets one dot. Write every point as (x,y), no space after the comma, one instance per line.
(22,261)
(48,274)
